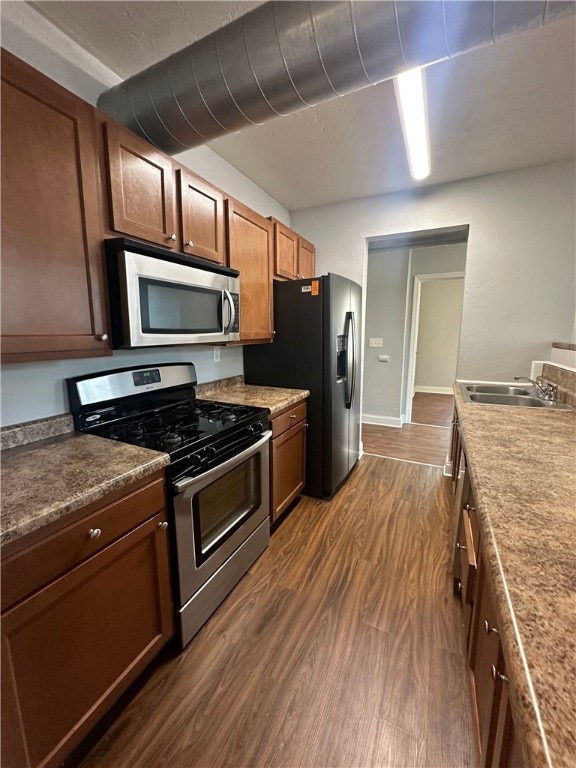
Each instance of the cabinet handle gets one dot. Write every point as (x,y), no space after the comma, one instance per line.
(190,244)
(497,675)
(95,533)
(172,236)
(460,546)
(163,525)
(488,629)
(468,508)
(103,337)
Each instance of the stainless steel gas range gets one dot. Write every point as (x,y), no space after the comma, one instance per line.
(218,478)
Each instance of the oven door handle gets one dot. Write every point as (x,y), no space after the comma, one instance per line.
(186,482)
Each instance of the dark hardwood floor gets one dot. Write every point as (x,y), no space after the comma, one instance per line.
(413,442)
(429,408)
(340,647)
(425,440)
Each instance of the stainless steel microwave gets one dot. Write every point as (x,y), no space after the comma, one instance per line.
(159,298)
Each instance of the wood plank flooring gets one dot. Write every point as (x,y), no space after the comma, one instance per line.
(339,648)
(430,408)
(413,442)
(425,440)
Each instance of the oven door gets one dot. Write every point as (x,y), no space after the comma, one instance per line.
(217,512)
(168,303)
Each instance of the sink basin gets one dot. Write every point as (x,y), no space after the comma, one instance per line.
(499,389)
(500,399)
(507,394)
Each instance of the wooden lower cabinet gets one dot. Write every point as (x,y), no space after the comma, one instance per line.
(72,646)
(288,458)
(498,745)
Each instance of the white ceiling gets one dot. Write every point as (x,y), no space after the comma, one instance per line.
(507,106)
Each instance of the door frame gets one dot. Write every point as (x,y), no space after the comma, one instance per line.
(412,350)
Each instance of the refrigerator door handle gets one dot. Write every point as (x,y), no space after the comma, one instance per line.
(350,336)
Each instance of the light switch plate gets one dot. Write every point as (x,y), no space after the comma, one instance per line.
(216,354)
(375,342)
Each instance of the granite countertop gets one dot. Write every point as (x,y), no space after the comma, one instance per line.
(522,465)
(47,479)
(276,399)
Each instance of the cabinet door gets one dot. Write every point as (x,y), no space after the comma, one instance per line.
(53,285)
(306,259)
(71,648)
(202,218)
(485,653)
(285,252)
(141,187)
(250,243)
(288,468)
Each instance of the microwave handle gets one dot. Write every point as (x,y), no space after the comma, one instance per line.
(228,298)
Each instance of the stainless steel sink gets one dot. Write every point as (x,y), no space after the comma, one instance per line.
(492,399)
(499,389)
(507,394)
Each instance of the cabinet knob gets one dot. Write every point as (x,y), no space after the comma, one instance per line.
(497,675)
(298,277)
(95,533)
(103,337)
(468,508)
(190,244)
(292,415)
(172,236)
(460,546)
(163,525)
(488,629)
(273,333)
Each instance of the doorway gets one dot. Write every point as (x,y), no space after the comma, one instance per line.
(433,353)
(414,296)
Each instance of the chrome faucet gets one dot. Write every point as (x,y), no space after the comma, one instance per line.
(546,393)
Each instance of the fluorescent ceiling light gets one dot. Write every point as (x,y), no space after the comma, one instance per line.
(410,90)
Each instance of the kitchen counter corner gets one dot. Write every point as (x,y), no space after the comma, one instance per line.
(46,480)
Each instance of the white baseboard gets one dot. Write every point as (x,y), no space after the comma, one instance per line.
(435,390)
(383,421)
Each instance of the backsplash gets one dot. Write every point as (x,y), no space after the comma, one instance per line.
(30,431)
(565,381)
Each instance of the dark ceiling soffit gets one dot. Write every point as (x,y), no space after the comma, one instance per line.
(420,239)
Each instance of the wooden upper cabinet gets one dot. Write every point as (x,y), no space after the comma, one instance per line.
(294,257)
(53,280)
(285,251)
(250,250)
(306,258)
(141,187)
(202,218)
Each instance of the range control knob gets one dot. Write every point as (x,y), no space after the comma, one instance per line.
(211,452)
(254,429)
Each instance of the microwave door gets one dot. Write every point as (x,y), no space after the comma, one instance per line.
(169,304)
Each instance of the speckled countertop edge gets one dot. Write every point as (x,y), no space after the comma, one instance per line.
(521,466)
(276,399)
(44,481)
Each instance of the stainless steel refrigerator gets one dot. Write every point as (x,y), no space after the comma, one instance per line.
(317,347)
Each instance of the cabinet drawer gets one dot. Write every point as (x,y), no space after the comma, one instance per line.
(41,563)
(288,419)
(468,566)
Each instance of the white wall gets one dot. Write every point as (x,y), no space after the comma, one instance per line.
(36,390)
(385,318)
(519,292)
(438,333)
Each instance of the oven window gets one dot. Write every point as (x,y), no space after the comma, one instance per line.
(173,308)
(221,508)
